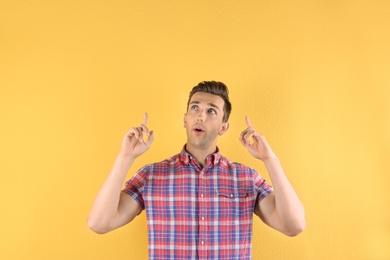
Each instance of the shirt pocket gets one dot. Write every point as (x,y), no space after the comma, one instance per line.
(233,204)
(231,194)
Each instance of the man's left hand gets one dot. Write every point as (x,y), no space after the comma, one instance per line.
(255,142)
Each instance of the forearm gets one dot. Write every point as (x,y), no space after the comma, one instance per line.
(105,206)
(288,208)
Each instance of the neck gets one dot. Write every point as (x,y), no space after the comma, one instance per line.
(200,153)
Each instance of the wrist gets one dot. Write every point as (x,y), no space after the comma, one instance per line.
(125,157)
(270,159)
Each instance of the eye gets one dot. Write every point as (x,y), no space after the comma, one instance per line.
(212,111)
(194,107)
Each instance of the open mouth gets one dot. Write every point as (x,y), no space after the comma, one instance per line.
(198,130)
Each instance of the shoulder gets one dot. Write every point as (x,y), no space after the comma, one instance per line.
(161,165)
(241,171)
(166,162)
(235,166)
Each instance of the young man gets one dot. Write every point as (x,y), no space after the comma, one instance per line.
(199,205)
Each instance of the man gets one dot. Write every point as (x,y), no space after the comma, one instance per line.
(199,205)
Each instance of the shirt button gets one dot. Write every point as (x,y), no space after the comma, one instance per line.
(202,218)
(202,195)
(202,242)
(231,195)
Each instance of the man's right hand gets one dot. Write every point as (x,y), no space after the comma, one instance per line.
(133,144)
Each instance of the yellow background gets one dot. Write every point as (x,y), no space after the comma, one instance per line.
(76,75)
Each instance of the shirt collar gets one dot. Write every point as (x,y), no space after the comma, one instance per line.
(186,157)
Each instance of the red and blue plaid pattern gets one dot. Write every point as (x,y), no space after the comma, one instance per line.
(196,213)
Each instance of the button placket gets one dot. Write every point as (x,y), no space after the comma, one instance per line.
(202,216)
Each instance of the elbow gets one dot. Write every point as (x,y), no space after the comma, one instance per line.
(96,227)
(295,228)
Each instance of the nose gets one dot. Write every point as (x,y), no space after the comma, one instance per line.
(200,116)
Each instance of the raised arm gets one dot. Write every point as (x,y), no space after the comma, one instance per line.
(113,208)
(282,210)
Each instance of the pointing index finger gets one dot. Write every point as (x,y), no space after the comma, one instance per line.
(145,120)
(248,122)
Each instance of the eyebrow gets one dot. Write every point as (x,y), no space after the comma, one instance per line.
(210,104)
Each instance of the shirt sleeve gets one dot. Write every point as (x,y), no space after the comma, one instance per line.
(136,185)
(263,189)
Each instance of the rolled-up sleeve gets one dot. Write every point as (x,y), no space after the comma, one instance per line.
(136,185)
(263,189)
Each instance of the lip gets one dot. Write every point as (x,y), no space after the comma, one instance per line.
(198,129)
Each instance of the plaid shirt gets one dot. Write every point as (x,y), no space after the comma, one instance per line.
(198,213)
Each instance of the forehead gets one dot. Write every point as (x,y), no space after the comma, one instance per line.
(208,98)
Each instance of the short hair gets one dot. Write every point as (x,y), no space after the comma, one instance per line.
(215,88)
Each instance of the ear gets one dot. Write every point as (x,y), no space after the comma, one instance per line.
(224,128)
(185,120)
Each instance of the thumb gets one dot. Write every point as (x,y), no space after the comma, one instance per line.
(243,141)
(150,138)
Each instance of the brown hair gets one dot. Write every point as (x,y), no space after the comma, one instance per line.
(215,88)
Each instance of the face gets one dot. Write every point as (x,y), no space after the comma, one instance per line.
(203,120)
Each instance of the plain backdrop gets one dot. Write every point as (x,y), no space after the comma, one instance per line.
(75,75)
